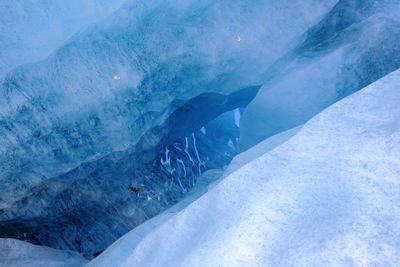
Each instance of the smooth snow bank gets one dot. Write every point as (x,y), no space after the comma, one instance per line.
(330,196)
(19,253)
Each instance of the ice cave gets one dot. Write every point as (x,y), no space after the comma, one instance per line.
(166,133)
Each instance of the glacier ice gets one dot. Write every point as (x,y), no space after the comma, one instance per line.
(355,44)
(327,197)
(123,247)
(91,206)
(135,100)
(31,29)
(106,102)
(68,109)
(15,253)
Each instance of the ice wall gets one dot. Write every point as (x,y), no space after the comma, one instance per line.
(327,197)
(31,29)
(105,108)
(208,180)
(15,253)
(111,92)
(112,83)
(353,46)
(91,206)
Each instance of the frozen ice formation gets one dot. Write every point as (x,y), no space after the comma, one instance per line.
(123,247)
(327,197)
(15,253)
(69,109)
(126,106)
(355,44)
(31,29)
(91,206)
(92,118)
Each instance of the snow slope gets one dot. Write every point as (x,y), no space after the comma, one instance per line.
(260,149)
(330,196)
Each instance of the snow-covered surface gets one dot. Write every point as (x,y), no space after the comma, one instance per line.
(19,253)
(123,247)
(330,196)
(260,149)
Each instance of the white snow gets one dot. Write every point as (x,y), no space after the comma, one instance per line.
(116,253)
(330,196)
(260,149)
(19,253)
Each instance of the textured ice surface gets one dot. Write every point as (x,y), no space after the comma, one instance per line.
(15,253)
(124,102)
(330,196)
(31,29)
(89,207)
(78,128)
(69,109)
(355,44)
(123,247)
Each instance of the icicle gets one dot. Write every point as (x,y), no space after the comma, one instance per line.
(230,143)
(183,165)
(197,154)
(180,184)
(187,151)
(236,114)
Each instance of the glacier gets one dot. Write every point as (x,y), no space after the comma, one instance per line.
(31,29)
(122,248)
(101,108)
(62,112)
(115,111)
(15,253)
(329,196)
(355,44)
(91,206)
